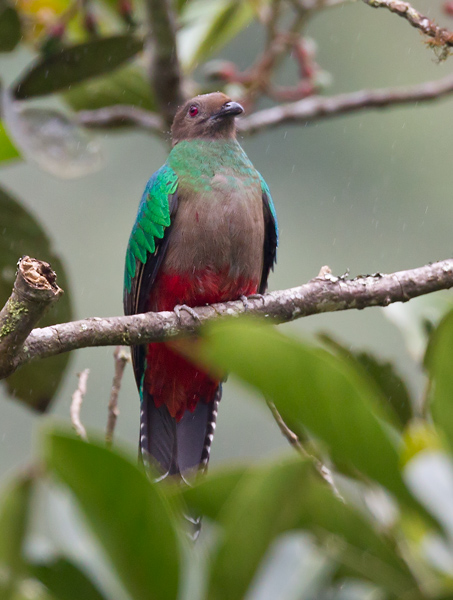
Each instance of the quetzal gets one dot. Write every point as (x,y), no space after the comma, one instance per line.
(205,232)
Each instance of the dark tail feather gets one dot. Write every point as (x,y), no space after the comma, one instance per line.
(194,434)
(157,436)
(180,449)
(177,448)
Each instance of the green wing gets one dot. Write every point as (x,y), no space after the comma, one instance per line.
(147,246)
(153,218)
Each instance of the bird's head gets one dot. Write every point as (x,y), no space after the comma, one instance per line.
(210,116)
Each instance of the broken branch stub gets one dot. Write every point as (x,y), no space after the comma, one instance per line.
(35,289)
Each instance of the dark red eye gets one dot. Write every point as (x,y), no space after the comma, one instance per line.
(193,110)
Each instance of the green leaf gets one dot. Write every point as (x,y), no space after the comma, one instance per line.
(10,30)
(208,26)
(355,543)
(256,505)
(65,581)
(14,517)
(393,388)
(265,504)
(130,516)
(210,493)
(7,148)
(75,64)
(315,390)
(34,384)
(127,85)
(439,361)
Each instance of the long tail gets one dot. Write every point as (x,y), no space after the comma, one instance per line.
(180,449)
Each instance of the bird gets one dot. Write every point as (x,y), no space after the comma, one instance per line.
(206,231)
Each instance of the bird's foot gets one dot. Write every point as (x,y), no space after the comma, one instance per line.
(256,297)
(245,302)
(179,307)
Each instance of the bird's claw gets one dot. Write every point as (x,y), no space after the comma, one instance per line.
(179,307)
(245,302)
(256,297)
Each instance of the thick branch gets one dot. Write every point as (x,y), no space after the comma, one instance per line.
(322,294)
(442,37)
(316,108)
(165,68)
(33,292)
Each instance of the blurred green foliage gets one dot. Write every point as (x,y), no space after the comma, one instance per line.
(383,527)
(387,533)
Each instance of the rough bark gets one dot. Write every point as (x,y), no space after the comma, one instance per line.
(325,293)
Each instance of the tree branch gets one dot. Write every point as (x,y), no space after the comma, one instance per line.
(165,71)
(442,37)
(325,293)
(304,111)
(121,114)
(33,292)
(316,108)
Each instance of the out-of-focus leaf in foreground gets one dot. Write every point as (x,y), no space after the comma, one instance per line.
(129,515)
(34,384)
(14,517)
(256,505)
(8,150)
(393,388)
(316,391)
(65,581)
(439,362)
(75,64)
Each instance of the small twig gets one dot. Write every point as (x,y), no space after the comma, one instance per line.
(295,442)
(442,37)
(292,438)
(122,357)
(316,5)
(260,74)
(76,404)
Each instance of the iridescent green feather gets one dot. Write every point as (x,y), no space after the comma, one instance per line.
(152,219)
